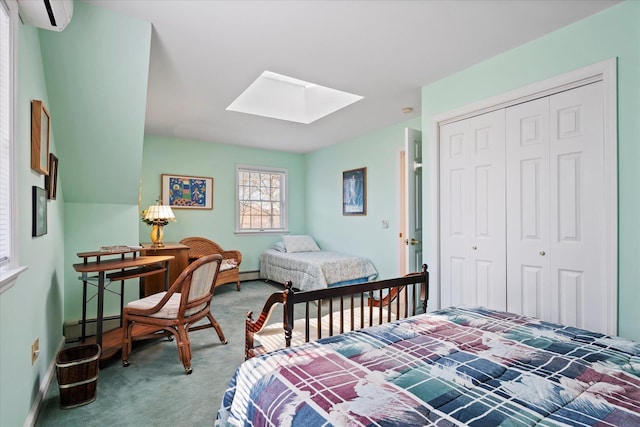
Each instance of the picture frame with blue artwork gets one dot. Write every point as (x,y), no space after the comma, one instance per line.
(354,192)
(187,192)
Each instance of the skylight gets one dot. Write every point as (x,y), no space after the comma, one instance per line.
(281,97)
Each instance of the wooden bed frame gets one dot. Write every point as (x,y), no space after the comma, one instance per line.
(358,300)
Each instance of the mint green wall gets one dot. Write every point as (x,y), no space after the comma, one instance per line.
(33,307)
(93,79)
(379,152)
(96,71)
(194,158)
(612,33)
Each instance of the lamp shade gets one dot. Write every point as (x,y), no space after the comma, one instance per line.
(159,213)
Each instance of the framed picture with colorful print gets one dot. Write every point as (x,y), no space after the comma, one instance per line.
(187,192)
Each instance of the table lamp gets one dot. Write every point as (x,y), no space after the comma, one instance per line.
(158,216)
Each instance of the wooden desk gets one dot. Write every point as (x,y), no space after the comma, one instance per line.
(124,265)
(180,252)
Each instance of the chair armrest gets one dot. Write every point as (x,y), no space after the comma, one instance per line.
(232,254)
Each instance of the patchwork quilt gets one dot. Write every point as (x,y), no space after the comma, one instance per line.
(309,271)
(458,366)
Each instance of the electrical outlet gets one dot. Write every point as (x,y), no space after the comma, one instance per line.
(35,350)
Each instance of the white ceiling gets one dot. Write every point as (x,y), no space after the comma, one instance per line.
(204,54)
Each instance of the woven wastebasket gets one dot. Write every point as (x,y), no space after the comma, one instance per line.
(77,372)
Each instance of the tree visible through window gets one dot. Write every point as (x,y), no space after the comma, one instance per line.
(261,199)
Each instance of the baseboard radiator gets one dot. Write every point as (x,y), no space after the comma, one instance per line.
(249,275)
(73,328)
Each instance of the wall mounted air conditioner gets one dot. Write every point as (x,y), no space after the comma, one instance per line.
(48,14)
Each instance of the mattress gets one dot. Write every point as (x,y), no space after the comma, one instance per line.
(315,270)
(458,366)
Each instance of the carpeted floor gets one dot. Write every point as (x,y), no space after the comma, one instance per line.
(154,390)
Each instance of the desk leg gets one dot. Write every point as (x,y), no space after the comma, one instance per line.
(100,308)
(84,306)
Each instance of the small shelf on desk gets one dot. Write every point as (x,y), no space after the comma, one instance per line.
(135,272)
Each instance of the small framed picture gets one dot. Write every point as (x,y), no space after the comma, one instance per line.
(187,192)
(354,192)
(39,227)
(51,180)
(40,124)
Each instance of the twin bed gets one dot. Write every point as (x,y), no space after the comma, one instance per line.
(456,366)
(299,259)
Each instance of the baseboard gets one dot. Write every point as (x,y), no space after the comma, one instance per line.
(32,416)
(73,328)
(249,275)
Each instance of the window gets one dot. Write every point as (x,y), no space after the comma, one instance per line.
(8,23)
(261,196)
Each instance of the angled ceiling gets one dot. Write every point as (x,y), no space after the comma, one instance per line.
(204,54)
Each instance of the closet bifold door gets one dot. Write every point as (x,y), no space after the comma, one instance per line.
(555,215)
(472,212)
(527,133)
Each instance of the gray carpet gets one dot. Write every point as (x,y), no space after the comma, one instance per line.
(154,390)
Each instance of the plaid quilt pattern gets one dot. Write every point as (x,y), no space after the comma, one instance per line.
(458,366)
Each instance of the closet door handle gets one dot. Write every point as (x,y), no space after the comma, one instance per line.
(542,253)
(474,247)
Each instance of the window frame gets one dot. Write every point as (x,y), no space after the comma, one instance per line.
(10,270)
(284,207)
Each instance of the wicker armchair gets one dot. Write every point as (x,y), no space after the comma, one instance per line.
(231,259)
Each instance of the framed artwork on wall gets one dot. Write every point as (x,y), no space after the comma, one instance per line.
(40,124)
(39,226)
(187,192)
(51,180)
(354,192)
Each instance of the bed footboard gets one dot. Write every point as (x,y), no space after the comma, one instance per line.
(311,315)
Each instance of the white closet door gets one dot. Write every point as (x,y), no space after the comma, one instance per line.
(527,148)
(473,252)
(577,247)
(555,216)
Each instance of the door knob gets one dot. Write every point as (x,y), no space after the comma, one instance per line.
(474,247)
(542,253)
(415,242)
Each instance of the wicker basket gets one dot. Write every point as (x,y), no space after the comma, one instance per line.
(77,372)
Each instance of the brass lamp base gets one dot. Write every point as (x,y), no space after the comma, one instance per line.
(157,233)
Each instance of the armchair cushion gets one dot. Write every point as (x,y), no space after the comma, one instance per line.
(231,259)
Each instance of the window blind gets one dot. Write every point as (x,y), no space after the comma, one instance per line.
(6,64)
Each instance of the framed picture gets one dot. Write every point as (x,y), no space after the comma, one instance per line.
(354,192)
(51,180)
(40,124)
(39,211)
(187,192)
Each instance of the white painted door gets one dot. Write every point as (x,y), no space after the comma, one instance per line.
(577,220)
(472,212)
(413,200)
(555,214)
(527,186)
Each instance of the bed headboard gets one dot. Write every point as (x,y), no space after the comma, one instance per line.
(340,309)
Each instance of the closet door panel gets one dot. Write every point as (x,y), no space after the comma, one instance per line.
(487,200)
(454,203)
(577,213)
(473,269)
(527,193)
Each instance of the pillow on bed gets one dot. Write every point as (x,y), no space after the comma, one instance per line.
(279,246)
(301,243)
